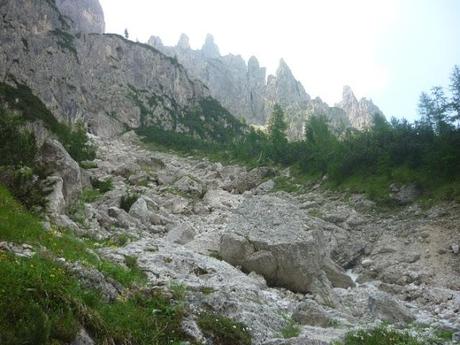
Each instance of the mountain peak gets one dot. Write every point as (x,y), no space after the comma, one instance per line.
(86,16)
(348,97)
(184,42)
(155,42)
(210,48)
(284,69)
(253,62)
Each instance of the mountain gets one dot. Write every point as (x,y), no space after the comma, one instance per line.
(247,92)
(59,51)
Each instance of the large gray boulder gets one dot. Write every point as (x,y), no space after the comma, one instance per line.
(386,308)
(66,171)
(249,180)
(311,313)
(86,16)
(273,237)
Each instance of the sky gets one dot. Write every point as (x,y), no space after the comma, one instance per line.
(386,50)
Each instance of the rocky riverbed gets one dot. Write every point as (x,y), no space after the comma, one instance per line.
(328,262)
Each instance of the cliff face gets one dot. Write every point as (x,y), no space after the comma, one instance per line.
(247,92)
(358,111)
(84,15)
(111,83)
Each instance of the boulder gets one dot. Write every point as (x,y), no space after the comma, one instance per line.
(82,338)
(59,163)
(249,180)
(141,211)
(405,194)
(386,308)
(181,234)
(286,254)
(311,313)
(191,186)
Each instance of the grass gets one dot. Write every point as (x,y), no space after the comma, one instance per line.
(222,330)
(18,226)
(42,303)
(103,186)
(127,201)
(77,209)
(385,335)
(291,329)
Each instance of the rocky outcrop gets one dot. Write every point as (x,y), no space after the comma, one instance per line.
(109,82)
(86,16)
(288,253)
(64,175)
(246,91)
(360,113)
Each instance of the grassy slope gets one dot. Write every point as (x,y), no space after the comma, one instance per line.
(42,303)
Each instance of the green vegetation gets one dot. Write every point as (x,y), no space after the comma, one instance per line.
(42,303)
(291,329)
(222,330)
(385,335)
(426,152)
(66,41)
(103,186)
(17,160)
(127,201)
(21,99)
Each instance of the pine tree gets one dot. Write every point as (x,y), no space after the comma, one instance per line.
(277,125)
(126,34)
(455,90)
(277,134)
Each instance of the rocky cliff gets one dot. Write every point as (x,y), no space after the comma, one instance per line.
(111,83)
(247,92)
(85,15)
(358,111)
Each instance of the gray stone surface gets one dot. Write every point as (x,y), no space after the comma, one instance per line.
(85,15)
(274,238)
(245,89)
(109,82)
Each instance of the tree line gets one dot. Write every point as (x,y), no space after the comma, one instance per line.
(426,151)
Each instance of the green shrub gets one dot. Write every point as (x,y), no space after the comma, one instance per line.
(103,186)
(291,329)
(223,331)
(127,201)
(31,108)
(382,335)
(17,146)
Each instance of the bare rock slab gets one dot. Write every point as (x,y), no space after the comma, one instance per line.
(273,237)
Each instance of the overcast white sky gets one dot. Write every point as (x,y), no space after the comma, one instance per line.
(387,50)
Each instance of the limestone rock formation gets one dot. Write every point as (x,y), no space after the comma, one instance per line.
(287,253)
(247,92)
(360,113)
(109,82)
(86,16)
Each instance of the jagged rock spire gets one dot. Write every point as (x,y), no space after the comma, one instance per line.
(210,49)
(184,42)
(155,42)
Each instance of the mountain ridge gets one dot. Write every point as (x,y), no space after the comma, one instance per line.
(247,91)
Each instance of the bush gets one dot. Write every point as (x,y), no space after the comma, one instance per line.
(385,335)
(17,146)
(32,109)
(103,186)
(223,331)
(127,201)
